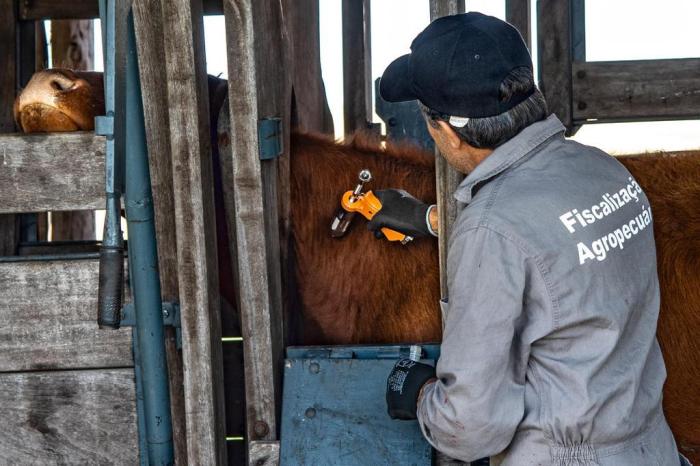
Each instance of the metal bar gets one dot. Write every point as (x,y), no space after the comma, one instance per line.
(110,291)
(145,281)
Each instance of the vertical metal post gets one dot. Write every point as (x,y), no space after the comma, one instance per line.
(109,298)
(145,280)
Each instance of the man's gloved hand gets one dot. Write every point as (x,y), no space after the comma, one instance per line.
(403,387)
(401,212)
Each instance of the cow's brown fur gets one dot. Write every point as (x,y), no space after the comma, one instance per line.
(358,289)
(672,184)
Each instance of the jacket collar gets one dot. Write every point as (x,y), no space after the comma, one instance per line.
(507,154)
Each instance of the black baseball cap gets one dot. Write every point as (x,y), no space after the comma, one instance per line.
(456,66)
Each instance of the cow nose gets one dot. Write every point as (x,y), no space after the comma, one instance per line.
(62,83)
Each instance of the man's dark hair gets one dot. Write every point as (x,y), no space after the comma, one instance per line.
(491,132)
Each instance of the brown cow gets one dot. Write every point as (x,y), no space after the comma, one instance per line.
(360,290)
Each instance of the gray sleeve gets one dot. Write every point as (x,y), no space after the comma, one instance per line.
(474,408)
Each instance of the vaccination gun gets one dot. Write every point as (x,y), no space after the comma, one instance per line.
(366,204)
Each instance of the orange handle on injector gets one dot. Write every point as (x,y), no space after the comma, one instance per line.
(368,205)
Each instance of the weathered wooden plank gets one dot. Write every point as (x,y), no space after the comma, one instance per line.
(633,90)
(82,9)
(9,234)
(439,8)
(252,30)
(357,65)
(58,247)
(264,453)
(59,171)
(195,230)
(9,224)
(69,417)
(311,111)
(518,14)
(8,61)
(48,318)
(50,9)
(148,25)
(554,49)
(446,177)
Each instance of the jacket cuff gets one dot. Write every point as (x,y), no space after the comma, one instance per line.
(427,220)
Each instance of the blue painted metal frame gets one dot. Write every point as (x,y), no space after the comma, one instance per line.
(145,279)
(334,409)
(403,120)
(111,125)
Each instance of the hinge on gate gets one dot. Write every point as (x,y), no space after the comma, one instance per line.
(171,318)
(104,125)
(270,138)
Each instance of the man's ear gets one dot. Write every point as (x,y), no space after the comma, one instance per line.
(450,135)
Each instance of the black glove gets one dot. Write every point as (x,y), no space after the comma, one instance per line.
(400,212)
(403,387)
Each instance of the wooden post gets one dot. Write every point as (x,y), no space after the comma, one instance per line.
(311,107)
(256,41)
(447,178)
(188,113)
(554,49)
(9,223)
(518,14)
(357,65)
(148,25)
(72,47)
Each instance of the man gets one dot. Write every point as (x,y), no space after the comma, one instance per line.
(549,354)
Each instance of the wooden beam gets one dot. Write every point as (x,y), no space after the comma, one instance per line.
(636,90)
(76,417)
(8,62)
(357,65)
(48,315)
(148,25)
(518,14)
(50,9)
(9,224)
(311,111)
(59,171)
(555,57)
(190,147)
(254,33)
(82,9)
(446,177)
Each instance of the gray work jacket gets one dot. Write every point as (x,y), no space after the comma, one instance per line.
(549,353)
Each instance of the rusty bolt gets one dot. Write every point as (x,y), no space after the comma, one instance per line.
(582,105)
(310,413)
(261,429)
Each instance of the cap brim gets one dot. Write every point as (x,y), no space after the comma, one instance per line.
(396,84)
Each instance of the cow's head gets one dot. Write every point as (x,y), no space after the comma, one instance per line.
(60,100)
